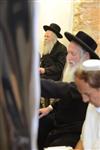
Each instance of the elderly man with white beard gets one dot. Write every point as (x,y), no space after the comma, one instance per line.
(60,123)
(53,53)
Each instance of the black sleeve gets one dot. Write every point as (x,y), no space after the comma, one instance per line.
(57,89)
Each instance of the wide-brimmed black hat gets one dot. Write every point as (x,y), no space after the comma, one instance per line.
(85,41)
(55,28)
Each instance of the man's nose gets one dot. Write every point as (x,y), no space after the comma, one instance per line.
(70,57)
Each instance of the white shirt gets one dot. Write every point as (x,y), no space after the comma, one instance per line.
(91,129)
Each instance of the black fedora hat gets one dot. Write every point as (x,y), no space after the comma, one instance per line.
(55,28)
(85,41)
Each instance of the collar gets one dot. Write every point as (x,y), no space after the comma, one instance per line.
(98,109)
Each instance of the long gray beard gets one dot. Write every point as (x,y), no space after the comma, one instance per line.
(68,75)
(47,48)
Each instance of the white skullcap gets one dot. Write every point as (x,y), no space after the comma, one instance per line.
(91,65)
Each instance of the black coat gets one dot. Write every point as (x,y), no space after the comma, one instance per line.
(54,62)
(70,110)
(63,125)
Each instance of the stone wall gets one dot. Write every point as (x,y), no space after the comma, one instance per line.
(87,18)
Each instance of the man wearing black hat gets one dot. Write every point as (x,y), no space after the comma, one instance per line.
(53,53)
(62,125)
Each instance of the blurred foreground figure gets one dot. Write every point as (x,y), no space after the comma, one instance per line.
(15,65)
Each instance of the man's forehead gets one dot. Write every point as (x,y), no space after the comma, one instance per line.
(49,32)
(74,44)
(74,47)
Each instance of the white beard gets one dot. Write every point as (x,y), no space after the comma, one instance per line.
(68,74)
(69,70)
(47,47)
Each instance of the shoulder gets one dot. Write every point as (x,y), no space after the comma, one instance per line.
(91,109)
(91,113)
(60,45)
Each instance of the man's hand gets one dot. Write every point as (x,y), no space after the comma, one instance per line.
(42,70)
(79,145)
(45,111)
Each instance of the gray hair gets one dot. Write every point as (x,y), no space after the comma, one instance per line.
(91,77)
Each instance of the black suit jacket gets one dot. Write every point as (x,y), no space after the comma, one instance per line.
(54,62)
(70,110)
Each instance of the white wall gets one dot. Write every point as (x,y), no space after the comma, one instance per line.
(56,11)
(46,12)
